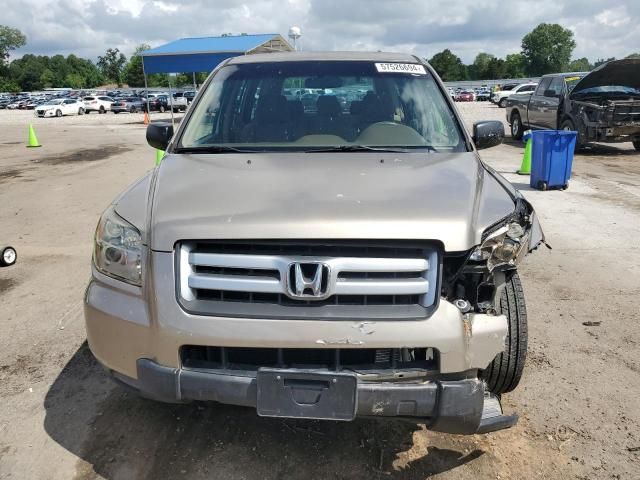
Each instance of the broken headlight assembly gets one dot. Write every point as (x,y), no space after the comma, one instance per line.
(118,249)
(503,247)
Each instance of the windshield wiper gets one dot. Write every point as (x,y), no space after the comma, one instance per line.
(214,149)
(364,148)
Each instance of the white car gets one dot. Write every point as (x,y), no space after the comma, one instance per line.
(100,104)
(59,107)
(500,97)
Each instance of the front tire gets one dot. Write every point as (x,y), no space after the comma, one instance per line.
(517,131)
(502,103)
(81,111)
(504,372)
(8,257)
(101,110)
(58,113)
(567,125)
(161,109)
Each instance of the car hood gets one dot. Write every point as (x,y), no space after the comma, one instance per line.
(451,198)
(624,72)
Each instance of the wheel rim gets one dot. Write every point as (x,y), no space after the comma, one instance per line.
(9,255)
(515,126)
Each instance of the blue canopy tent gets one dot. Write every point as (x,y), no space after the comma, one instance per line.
(203,54)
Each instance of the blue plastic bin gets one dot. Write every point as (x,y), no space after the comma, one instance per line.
(551,158)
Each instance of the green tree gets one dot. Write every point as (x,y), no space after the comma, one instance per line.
(600,61)
(496,68)
(448,66)
(514,65)
(112,65)
(580,65)
(547,49)
(478,69)
(47,78)
(74,80)
(133,72)
(10,39)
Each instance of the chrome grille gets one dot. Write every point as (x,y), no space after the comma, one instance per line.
(259,279)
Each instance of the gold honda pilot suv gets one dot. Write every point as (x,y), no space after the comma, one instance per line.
(320,241)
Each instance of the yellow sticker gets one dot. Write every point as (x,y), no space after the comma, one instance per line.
(571,79)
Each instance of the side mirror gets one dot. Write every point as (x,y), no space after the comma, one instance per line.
(551,93)
(159,135)
(488,134)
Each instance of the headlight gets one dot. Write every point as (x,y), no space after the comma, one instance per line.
(118,249)
(503,247)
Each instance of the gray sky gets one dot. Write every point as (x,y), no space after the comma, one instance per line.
(87,28)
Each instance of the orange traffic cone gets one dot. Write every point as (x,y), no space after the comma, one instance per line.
(146,118)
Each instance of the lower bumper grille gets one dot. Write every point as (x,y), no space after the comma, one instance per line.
(251,359)
(347,280)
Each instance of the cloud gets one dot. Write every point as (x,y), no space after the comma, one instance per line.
(424,27)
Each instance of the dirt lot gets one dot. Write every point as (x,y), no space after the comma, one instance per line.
(60,417)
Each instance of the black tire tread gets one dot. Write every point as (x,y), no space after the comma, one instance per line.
(504,372)
(521,131)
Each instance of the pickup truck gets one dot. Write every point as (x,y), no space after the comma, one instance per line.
(602,105)
(321,263)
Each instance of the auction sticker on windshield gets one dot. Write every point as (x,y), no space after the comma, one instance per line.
(401,68)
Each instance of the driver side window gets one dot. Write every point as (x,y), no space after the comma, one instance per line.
(542,86)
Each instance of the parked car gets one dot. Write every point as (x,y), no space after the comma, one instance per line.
(602,105)
(162,103)
(500,97)
(465,96)
(504,88)
(100,104)
(180,102)
(128,104)
(159,103)
(483,95)
(59,107)
(190,95)
(389,289)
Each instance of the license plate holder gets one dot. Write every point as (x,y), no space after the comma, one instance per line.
(302,394)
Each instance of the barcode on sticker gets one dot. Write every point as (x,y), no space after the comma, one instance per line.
(401,68)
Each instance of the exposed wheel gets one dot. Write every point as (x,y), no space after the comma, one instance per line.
(516,126)
(58,113)
(8,257)
(637,145)
(161,109)
(543,185)
(132,110)
(116,111)
(502,103)
(101,110)
(567,125)
(504,372)
(81,111)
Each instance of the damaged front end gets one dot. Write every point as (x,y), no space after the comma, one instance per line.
(474,280)
(605,104)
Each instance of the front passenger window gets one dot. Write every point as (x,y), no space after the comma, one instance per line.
(542,86)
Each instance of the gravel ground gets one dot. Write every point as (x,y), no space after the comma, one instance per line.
(62,418)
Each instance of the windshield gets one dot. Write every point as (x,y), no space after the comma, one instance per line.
(572,81)
(54,102)
(322,104)
(617,89)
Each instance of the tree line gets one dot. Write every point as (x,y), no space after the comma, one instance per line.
(548,48)
(37,72)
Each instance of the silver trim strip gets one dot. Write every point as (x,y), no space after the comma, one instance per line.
(235,283)
(189,279)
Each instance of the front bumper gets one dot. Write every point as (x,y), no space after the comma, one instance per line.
(45,113)
(460,407)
